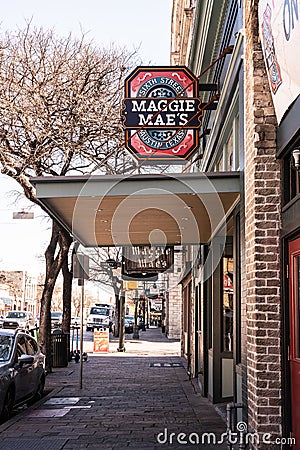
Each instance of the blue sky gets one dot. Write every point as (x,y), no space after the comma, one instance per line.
(127,23)
(130,23)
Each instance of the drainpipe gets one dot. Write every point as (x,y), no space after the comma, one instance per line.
(230,426)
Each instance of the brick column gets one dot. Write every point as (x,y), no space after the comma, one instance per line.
(174,312)
(262,243)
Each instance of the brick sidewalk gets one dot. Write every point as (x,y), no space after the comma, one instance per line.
(135,399)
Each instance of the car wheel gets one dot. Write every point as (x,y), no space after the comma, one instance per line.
(38,393)
(40,389)
(8,405)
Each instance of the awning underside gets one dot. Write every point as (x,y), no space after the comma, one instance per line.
(139,210)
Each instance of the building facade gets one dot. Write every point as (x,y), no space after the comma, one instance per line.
(241,320)
(22,291)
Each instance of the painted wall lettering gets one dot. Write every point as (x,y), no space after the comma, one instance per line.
(290,15)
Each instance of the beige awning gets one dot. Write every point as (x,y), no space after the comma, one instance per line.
(140,209)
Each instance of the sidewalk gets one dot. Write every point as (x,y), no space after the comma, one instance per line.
(141,399)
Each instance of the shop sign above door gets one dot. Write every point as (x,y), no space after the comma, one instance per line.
(161,114)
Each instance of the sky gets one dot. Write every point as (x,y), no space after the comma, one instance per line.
(134,24)
(131,23)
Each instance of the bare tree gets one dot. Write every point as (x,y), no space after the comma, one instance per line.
(59,115)
(13,280)
(105,268)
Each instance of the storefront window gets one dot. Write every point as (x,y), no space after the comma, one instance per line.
(220,164)
(230,142)
(227,322)
(228,156)
(291,179)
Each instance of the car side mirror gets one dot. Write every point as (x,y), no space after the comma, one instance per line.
(25,359)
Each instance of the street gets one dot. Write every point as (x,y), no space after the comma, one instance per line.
(141,399)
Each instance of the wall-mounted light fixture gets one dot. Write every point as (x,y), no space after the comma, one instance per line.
(296,157)
(296,161)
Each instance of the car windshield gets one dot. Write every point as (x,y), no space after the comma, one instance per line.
(56,315)
(129,318)
(16,315)
(100,311)
(6,343)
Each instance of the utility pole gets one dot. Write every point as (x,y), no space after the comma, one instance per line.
(81,283)
(136,327)
(121,347)
(80,270)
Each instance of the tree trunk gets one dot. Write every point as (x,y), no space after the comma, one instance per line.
(54,261)
(117,314)
(45,324)
(117,290)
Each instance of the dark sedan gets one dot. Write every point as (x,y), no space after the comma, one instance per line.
(56,319)
(129,323)
(22,370)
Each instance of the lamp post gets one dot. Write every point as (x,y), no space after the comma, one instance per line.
(135,327)
(121,347)
(80,269)
(144,314)
(162,287)
(113,264)
(163,315)
(147,324)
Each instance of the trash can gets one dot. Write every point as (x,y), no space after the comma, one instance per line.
(60,350)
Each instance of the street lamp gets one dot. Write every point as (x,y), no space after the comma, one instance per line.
(296,158)
(113,263)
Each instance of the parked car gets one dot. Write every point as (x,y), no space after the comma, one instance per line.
(19,319)
(129,323)
(22,370)
(56,319)
(75,321)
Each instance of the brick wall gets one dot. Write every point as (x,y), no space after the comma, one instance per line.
(262,245)
(242,369)
(174,312)
(174,303)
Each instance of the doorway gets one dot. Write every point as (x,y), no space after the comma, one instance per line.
(294,347)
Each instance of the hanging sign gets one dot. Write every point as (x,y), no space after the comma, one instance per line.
(161,113)
(139,259)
